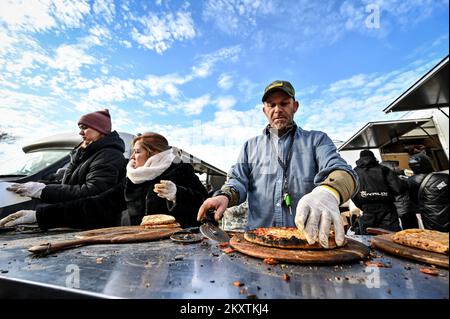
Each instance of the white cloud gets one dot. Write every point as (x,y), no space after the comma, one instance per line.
(204,68)
(71,58)
(41,15)
(27,15)
(236,16)
(225,81)
(115,90)
(166,84)
(225,103)
(24,63)
(159,33)
(70,13)
(351,83)
(126,44)
(106,8)
(195,106)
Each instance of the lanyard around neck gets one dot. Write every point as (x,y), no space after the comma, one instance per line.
(285,166)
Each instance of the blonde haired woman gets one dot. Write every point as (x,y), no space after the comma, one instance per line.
(158,183)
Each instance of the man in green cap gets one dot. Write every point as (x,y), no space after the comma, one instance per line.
(290,176)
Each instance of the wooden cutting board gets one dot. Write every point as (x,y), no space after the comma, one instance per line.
(352,252)
(385,243)
(111,235)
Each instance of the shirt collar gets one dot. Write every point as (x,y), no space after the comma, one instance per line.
(267,130)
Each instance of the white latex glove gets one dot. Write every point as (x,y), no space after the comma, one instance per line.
(30,189)
(19,218)
(317,210)
(166,189)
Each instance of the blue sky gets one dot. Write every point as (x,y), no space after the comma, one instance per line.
(195,71)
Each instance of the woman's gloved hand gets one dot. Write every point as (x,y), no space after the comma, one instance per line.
(166,189)
(315,213)
(30,189)
(19,218)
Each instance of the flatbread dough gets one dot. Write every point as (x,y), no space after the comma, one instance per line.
(157,219)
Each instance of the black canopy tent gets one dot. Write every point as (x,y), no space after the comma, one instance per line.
(430,91)
(379,134)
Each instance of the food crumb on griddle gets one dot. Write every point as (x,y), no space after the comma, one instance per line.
(270,261)
(238,284)
(430,271)
(286,277)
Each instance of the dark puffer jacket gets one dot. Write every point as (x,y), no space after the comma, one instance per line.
(91,171)
(378,187)
(430,193)
(142,200)
(102,210)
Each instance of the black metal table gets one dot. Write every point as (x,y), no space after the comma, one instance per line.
(168,270)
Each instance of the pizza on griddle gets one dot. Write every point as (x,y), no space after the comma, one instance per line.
(430,240)
(284,237)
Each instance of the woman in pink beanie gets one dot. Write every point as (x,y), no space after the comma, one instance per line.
(96,164)
(94,126)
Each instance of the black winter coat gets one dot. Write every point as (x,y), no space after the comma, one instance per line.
(102,210)
(106,209)
(432,199)
(142,200)
(92,170)
(378,187)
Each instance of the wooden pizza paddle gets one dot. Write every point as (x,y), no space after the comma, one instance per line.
(352,252)
(112,235)
(385,243)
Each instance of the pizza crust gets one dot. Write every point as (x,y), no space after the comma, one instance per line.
(285,237)
(157,219)
(429,240)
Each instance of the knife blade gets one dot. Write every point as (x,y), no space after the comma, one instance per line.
(210,229)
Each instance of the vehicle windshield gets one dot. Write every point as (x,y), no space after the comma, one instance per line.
(31,163)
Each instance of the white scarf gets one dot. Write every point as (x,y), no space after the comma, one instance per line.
(152,168)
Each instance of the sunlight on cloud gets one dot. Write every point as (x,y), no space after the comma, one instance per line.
(195,106)
(205,67)
(225,81)
(106,8)
(236,16)
(41,15)
(115,90)
(70,13)
(71,58)
(225,103)
(159,33)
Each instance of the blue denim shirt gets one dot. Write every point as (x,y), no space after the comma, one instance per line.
(258,174)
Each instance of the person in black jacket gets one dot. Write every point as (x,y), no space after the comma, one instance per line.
(429,190)
(157,182)
(96,165)
(405,208)
(378,187)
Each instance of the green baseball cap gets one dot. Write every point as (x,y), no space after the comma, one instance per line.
(280,85)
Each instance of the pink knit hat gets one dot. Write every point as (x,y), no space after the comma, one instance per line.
(100,121)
